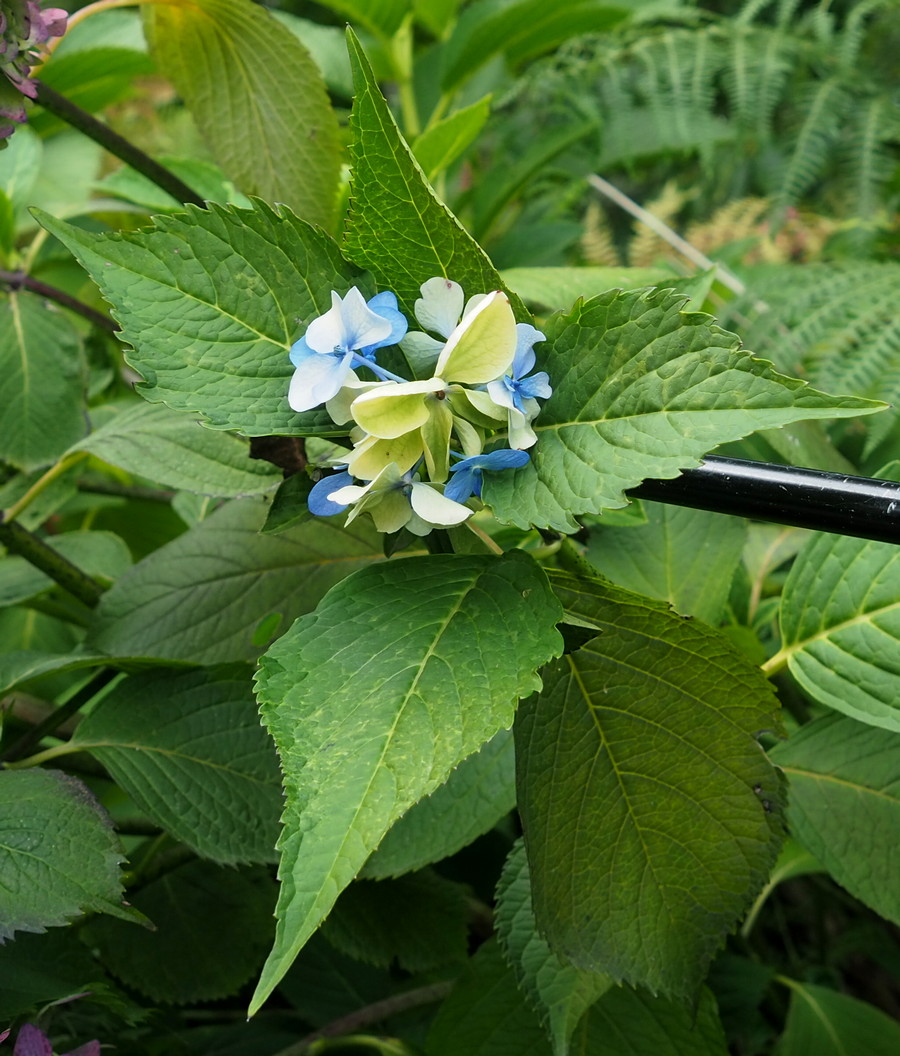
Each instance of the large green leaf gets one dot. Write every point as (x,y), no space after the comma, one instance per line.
(476,795)
(419,920)
(257,97)
(42,411)
(442,143)
(626,1022)
(211,301)
(202,597)
(685,557)
(641,390)
(559,993)
(59,856)
(397,227)
(175,451)
(21,665)
(840,626)
(187,746)
(403,670)
(382,17)
(486,1014)
(844,804)
(829,1023)
(211,928)
(639,775)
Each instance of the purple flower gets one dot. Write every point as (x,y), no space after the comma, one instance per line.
(24,29)
(466,480)
(31,1041)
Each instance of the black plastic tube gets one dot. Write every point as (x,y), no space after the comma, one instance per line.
(805,498)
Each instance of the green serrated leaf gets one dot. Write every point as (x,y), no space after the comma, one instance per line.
(844,804)
(558,992)
(557,289)
(626,1022)
(397,227)
(38,969)
(246,282)
(639,773)
(97,553)
(486,1014)
(476,795)
(187,746)
(201,597)
(685,557)
(641,390)
(42,411)
(840,626)
(257,97)
(405,669)
(59,856)
(419,920)
(212,926)
(442,143)
(174,450)
(828,1023)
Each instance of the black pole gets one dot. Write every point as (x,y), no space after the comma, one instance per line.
(805,498)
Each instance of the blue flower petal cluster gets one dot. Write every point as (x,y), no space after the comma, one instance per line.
(403,470)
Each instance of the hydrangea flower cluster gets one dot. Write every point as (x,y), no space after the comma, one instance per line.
(419,446)
(24,27)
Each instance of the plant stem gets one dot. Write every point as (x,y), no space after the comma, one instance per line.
(378,1010)
(80,119)
(60,569)
(775,663)
(18,280)
(53,722)
(57,470)
(401,60)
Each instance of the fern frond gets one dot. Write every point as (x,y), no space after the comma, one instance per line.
(854,31)
(735,221)
(755,75)
(870,158)
(823,111)
(646,246)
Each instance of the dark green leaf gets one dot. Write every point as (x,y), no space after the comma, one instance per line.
(404,669)
(641,390)
(419,921)
(626,1022)
(397,227)
(187,746)
(42,411)
(212,928)
(38,969)
(59,856)
(257,97)
(486,1014)
(844,804)
(201,597)
(476,795)
(639,774)
(22,665)
(827,1023)
(211,301)
(840,625)
(559,993)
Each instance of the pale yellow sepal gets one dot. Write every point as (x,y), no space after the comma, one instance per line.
(338,407)
(436,440)
(395,408)
(482,347)
(372,454)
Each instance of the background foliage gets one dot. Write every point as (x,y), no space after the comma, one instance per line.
(602,777)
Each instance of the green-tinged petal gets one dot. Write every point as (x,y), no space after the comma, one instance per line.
(435,509)
(370,456)
(338,407)
(471,441)
(436,439)
(482,347)
(392,513)
(521,435)
(421,352)
(477,407)
(394,408)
